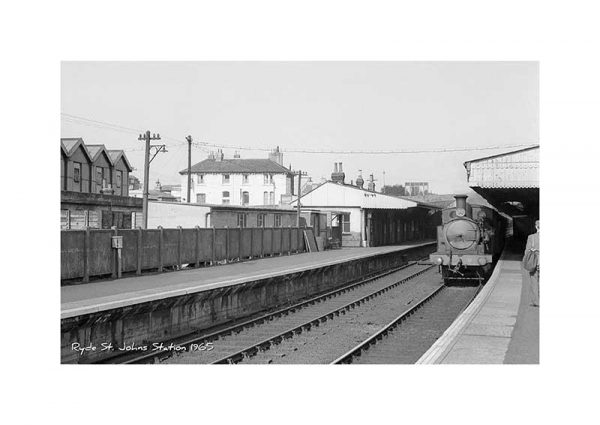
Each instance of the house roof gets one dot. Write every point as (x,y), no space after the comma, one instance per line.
(70,145)
(97,150)
(384,202)
(237,165)
(115,155)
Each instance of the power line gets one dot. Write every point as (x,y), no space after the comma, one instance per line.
(206,145)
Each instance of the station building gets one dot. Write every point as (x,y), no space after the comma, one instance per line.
(95,187)
(369,218)
(510,182)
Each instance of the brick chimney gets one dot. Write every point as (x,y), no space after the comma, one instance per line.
(220,155)
(276,156)
(359,180)
(338,175)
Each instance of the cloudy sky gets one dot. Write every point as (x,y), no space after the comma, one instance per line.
(341,106)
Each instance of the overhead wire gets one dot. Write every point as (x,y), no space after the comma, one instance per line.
(206,145)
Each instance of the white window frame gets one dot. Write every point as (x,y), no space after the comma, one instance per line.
(344,222)
(226,199)
(242,220)
(277,220)
(226,180)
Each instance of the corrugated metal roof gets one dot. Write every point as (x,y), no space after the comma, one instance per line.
(237,166)
(517,169)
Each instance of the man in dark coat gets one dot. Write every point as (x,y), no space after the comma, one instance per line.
(533,244)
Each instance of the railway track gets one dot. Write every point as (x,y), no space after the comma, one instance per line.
(230,344)
(246,342)
(407,337)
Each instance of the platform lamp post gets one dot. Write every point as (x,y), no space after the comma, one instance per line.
(148,137)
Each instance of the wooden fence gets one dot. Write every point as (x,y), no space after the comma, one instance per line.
(87,253)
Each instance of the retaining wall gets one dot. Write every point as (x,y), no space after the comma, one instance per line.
(165,319)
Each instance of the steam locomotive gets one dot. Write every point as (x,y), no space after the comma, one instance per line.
(469,242)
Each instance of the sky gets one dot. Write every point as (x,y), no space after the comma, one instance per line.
(342,106)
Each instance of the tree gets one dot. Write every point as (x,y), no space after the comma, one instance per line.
(396,189)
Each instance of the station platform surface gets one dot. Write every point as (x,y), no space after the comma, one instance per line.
(104,295)
(499,327)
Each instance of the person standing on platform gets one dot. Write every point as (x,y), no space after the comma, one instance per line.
(533,247)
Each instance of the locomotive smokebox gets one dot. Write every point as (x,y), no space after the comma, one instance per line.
(461,205)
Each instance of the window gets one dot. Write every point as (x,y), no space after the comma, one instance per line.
(277,220)
(119,178)
(242,220)
(226,197)
(99,177)
(226,178)
(200,178)
(265,198)
(77,172)
(245,178)
(245,198)
(271,198)
(346,223)
(260,220)
(77,176)
(266,177)
(201,198)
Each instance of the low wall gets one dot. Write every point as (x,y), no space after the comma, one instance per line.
(165,319)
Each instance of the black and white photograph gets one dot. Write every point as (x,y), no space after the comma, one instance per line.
(300,212)
(317,212)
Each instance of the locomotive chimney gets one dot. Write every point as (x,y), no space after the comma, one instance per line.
(461,202)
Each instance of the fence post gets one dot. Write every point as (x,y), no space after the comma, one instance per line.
(197,252)
(240,243)
(262,242)
(114,252)
(226,244)
(281,241)
(251,241)
(290,242)
(160,246)
(139,251)
(298,240)
(214,248)
(179,245)
(86,255)
(272,241)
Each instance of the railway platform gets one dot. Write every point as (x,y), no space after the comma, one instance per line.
(499,327)
(161,306)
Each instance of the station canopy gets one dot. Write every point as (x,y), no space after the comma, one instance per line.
(509,181)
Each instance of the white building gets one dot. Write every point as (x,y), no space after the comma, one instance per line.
(236,181)
(369,218)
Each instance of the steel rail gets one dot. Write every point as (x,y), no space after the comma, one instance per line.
(377,336)
(238,327)
(267,343)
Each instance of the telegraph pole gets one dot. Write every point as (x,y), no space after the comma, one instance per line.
(189,188)
(147,138)
(299,194)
